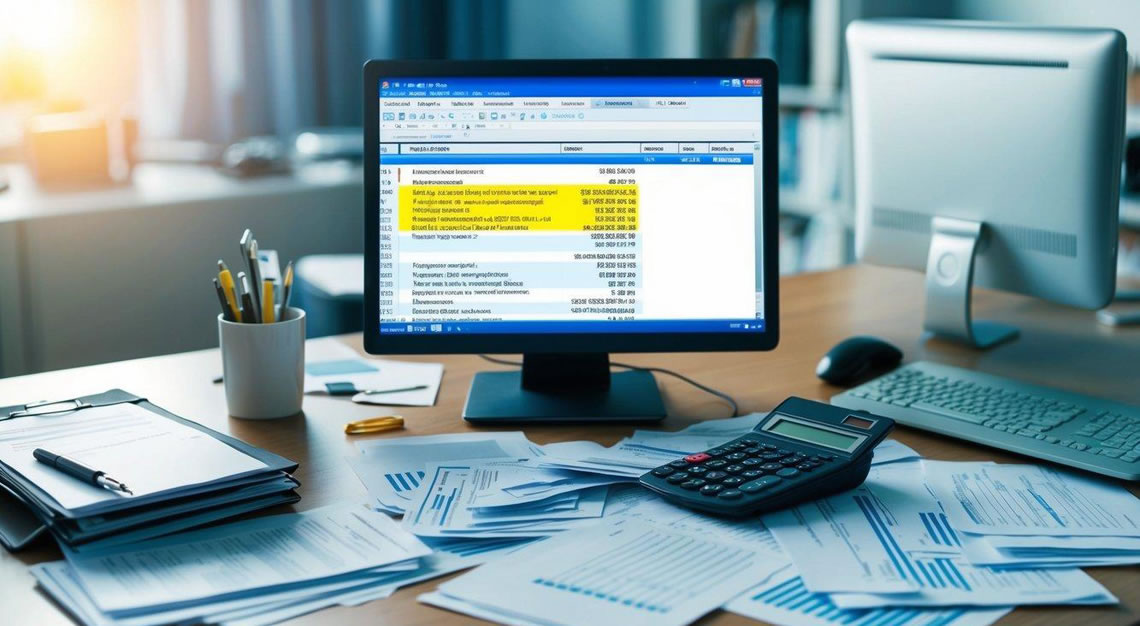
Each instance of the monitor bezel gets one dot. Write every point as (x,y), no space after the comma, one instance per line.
(511,343)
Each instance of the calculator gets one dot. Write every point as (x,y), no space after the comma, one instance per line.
(801,451)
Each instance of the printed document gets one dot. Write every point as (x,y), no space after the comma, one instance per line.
(783,599)
(887,543)
(148,452)
(993,499)
(630,572)
(244,556)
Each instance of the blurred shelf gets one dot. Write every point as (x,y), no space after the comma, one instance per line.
(795,204)
(803,97)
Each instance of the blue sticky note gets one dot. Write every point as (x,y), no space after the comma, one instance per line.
(340,368)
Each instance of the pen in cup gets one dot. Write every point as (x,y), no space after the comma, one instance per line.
(268,312)
(227,312)
(226,278)
(286,289)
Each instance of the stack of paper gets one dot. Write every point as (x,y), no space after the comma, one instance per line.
(1034,516)
(240,569)
(181,474)
(888,543)
(392,469)
(502,498)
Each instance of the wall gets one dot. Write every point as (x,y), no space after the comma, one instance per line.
(132,282)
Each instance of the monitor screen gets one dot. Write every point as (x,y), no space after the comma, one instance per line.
(570,205)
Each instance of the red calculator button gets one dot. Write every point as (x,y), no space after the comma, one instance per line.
(697,458)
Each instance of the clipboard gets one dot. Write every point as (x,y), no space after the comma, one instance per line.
(15,525)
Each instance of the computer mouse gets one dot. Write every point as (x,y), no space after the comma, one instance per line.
(855,357)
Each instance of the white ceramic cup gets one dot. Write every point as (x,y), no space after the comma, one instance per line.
(263,366)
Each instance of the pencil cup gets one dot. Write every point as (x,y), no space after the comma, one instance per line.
(263,366)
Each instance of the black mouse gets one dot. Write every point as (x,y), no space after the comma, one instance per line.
(855,357)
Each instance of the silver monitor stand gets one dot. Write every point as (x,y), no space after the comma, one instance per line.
(950,283)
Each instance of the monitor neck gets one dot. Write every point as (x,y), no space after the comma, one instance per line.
(565,372)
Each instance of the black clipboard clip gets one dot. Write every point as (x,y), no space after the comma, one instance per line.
(59,407)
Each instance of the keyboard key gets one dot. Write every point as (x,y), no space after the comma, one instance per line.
(693,484)
(697,470)
(759,484)
(715,476)
(716,463)
(771,467)
(735,468)
(711,490)
(767,446)
(679,463)
(751,462)
(731,494)
(719,451)
(736,456)
(752,473)
(678,478)
(663,471)
(733,481)
(788,472)
(783,452)
(958,415)
(771,456)
(805,467)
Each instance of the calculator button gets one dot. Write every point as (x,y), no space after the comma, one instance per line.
(799,457)
(679,463)
(826,457)
(767,446)
(678,478)
(697,458)
(752,473)
(731,494)
(719,451)
(771,456)
(715,476)
(759,484)
(697,470)
(735,468)
(753,451)
(736,456)
(814,464)
(783,452)
(788,472)
(790,461)
(663,471)
(771,467)
(711,490)
(751,462)
(732,481)
(736,445)
(805,467)
(716,463)
(695,483)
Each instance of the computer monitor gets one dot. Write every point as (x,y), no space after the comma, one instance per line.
(565,210)
(991,153)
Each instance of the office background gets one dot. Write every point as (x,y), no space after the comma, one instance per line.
(99,270)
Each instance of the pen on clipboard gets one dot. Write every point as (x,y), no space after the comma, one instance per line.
(75,469)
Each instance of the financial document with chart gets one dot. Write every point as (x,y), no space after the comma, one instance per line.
(489,187)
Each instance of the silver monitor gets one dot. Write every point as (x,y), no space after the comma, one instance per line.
(991,153)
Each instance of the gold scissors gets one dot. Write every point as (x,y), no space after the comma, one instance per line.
(374,425)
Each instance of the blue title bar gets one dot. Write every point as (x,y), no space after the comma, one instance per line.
(569,87)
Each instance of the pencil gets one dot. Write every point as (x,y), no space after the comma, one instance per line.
(228,290)
(268,316)
(286,288)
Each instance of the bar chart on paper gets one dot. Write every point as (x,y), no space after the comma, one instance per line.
(784,600)
(649,582)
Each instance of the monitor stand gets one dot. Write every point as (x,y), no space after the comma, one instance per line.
(553,388)
(950,282)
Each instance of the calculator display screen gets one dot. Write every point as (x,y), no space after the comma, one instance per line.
(811,434)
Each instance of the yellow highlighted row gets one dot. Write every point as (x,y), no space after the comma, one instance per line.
(518,207)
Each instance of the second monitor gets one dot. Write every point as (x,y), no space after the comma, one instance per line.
(566,210)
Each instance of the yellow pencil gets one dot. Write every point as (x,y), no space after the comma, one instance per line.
(227,281)
(268,314)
